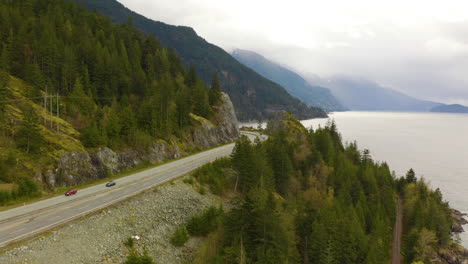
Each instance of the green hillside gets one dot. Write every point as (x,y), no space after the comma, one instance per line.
(254,96)
(31,137)
(72,80)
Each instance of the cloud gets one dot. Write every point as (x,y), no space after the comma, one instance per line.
(417,47)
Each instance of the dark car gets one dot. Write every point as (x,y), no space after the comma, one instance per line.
(110,184)
(71,192)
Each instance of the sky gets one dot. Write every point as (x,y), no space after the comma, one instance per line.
(416,47)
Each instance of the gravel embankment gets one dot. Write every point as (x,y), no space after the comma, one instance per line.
(99,238)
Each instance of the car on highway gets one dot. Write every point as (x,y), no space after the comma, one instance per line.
(71,192)
(110,184)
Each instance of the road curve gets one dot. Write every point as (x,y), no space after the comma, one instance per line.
(27,221)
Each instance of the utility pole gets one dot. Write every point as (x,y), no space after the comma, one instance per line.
(58,112)
(45,106)
(51,103)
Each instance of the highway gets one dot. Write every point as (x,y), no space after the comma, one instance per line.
(30,220)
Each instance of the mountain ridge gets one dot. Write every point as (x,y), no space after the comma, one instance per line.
(254,97)
(453,108)
(295,84)
(361,94)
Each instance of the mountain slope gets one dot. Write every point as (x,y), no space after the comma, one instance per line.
(293,83)
(453,108)
(364,95)
(254,97)
(82,97)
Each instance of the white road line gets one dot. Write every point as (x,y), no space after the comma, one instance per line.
(55,217)
(19,230)
(83,207)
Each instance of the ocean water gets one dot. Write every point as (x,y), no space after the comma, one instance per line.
(435,145)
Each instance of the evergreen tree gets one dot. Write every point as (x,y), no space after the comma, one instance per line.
(215,91)
(28,137)
(410,176)
(243,161)
(135,258)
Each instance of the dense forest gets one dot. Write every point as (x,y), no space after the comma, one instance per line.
(254,97)
(427,220)
(62,48)
(115,85)
(305,197)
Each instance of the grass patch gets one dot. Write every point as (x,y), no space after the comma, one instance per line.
(205,222)
(180,236)
(7,187)
(209,251)
(201,120)
(215,175)
(188,180)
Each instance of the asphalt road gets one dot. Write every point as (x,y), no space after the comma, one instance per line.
(27,221)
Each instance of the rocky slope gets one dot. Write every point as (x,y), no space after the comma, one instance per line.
(153,216)
(78,166)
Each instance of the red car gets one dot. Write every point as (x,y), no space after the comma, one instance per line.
(71,192)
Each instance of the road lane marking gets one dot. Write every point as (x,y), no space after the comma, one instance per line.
(13,225)
(19,230)
(55,217)
(83,207)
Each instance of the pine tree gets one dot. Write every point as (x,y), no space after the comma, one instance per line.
(410,176)
(215,91)
(201,101)
(28,137)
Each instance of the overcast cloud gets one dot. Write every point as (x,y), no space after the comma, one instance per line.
(417,47)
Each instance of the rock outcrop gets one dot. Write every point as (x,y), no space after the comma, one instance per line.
(223,128)
(458,221)
(76,167)
(455,254)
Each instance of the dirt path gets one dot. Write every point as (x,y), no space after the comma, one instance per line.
(396,245)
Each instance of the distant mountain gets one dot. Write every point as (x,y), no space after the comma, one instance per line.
(253,96)
(293,83)
(364,95)
(453,108)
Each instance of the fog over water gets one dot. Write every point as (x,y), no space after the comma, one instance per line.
(435,145)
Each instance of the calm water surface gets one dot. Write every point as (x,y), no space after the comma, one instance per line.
(435,145)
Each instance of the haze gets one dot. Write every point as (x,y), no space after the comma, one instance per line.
(417,47)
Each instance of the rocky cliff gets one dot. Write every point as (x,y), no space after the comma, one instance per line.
(78,166)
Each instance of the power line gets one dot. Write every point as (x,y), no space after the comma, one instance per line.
(61,96)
